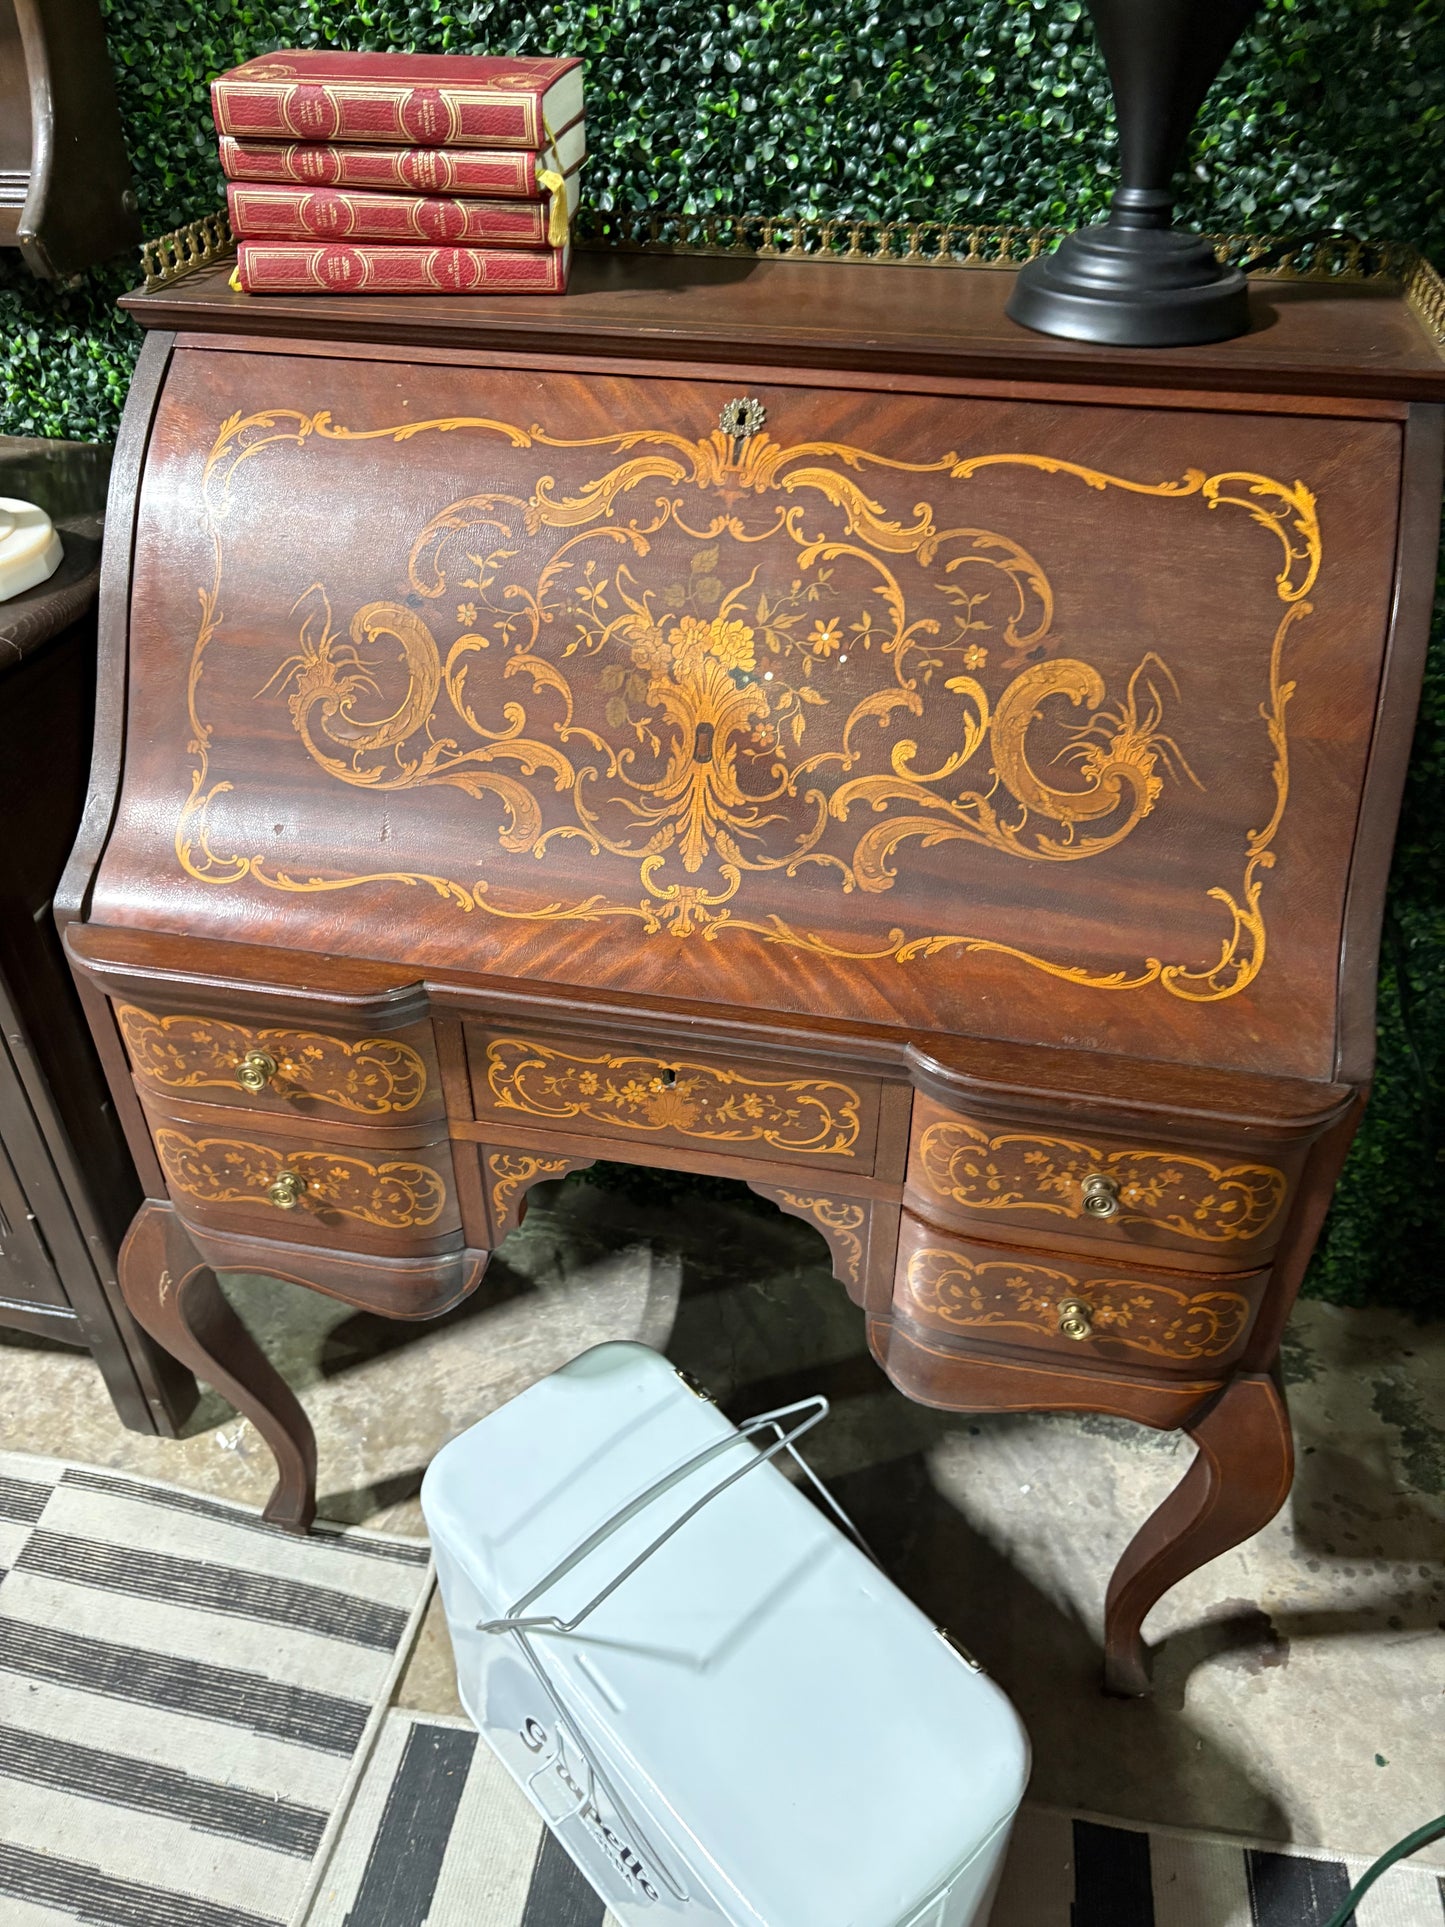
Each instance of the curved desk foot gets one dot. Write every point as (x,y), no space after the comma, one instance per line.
(1236,1484)
(174,1296)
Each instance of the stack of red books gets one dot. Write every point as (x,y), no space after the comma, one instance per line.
(401,173)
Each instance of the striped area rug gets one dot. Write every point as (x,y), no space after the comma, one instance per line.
(186,1698)
(439,1836)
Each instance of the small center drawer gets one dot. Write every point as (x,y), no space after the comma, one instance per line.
(586,1089)
(391,1079)
(1215,1208)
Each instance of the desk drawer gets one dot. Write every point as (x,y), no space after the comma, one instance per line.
(707,1103)
(306,1186)
(296,1070)
(1104,1312)
(1088,1192)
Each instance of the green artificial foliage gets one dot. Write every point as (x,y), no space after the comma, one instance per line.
(1328,116)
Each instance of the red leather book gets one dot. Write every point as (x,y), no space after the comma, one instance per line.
(398,100)
(340,267)
(504,174)
(261,213)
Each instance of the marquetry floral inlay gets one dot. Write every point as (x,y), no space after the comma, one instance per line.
(1017,1171)
(369,1075)
(947,1289)
(810,1115)
(841,1224)
(398,1195)
(511,1169)
(705,660)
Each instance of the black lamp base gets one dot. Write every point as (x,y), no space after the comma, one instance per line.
(1132,287)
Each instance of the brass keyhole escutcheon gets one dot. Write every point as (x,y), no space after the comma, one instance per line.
(1101,1196)
(286,1190)
(1076,1318)
(255,1070)
(740,420)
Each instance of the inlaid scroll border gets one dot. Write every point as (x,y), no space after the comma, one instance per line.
(1286,510)
(1253,1193)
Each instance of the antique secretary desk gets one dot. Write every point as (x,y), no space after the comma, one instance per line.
(781,720)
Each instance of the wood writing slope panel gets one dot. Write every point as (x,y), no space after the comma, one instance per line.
(964,714)
(942,786)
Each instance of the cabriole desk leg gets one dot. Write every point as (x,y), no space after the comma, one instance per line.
(174,1296)
(1237,1482)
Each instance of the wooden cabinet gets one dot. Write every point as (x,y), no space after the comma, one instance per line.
(67,1185)
(951,793)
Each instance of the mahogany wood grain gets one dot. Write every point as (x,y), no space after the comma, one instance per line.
(1186,539)
(1308,338)
(507,1175)
(1238,1480)
(174,1295)
(1131,1316)
(72,895)
(1003,737)
(962,1070)
(389,1286)
(1191,1202)
(890,381)
(861,1233)
(991,1378)
(1416,557)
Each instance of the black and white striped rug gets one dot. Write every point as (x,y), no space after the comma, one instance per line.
(186,1698)
(193,1733)
(439,1836)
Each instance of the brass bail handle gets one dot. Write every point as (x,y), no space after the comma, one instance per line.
(1100,1196)
(256,1070)
(286,1190)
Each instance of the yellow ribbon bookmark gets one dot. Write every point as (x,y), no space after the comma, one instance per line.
(558,225)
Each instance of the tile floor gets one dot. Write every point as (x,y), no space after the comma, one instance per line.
(1301,1681)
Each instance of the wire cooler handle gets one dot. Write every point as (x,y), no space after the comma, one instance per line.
(521,1626)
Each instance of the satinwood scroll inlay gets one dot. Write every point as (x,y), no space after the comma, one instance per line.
(372,1076)
(948,1289)
(510,1169)
(799,1116)
(730,740)
(841,1223)
(398,1195)
(1018,1171)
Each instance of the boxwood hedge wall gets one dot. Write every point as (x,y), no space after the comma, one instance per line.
(1331,114)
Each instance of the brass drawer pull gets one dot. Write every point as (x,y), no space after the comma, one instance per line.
(1101,1196)
(255,1071)
(286,1190)
(1076,1318)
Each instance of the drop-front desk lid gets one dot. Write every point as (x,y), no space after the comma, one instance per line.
(938,702)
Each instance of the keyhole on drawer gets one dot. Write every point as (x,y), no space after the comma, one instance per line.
(702,743)
(666,1078)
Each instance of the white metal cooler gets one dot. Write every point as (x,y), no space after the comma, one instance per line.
(720,1705)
